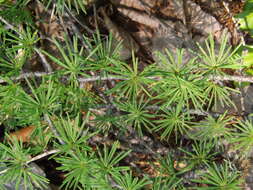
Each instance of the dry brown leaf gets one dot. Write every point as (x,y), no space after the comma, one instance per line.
(23,134)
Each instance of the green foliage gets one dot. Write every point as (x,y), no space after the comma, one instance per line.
(170,178)
(212,62)
(25,41)
(202,153)
(9,108)
(75,100)
(85,170)
(108,121)
(62,5)
(14,157)
(70,134)
(16,49)
(160,101)
(126,181)
(10,65)
(242,138)
(42,100)
(16,12)
(163,183)
(73,63)
(223,177)
(213,128)
(172,121)
(138,116)
(40,140)
(167,166)
(245,19)
(81,167)
(106,52)
(134,81)
(109,159)
(248,59)
(219,95)
(179,85)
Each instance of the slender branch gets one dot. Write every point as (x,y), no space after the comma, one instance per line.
(3,171)
(10,26)
(81,80)
(113,77)
(51,125)
(45,64)
(38,157)
(232,78)
(26,75)
(191,111)
(99,78)
(69,14)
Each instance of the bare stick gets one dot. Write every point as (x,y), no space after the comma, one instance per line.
(98,78)
(45,64)
(36,158)
(26,75)
(51,125)
(232,78)
(9,25)
(112,77)
(81,80)
(69,14)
